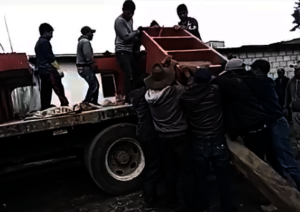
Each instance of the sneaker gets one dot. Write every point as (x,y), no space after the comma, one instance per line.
(268,208)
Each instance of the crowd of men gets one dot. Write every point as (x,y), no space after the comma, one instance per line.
(183,128)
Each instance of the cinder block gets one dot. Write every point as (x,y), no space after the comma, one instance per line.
(274,54)
(267,54)
(275,65)
(242,55)
(282,64)
(279,58)
(293,58)
(272,59)
(289,52)
(247,60)
(296,52)
(259,54)
(250,55)
(282,53)
(286,58)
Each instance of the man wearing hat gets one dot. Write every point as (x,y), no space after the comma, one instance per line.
(163,98)
(243,112)
(202,105)
(292,101)
(86,65)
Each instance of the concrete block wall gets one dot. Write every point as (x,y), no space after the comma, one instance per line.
(281,59)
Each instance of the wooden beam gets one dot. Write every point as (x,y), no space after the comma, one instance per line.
(265,179)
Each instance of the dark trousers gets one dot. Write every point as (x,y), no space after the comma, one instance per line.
(89,75)
(179,179)
(51,81)
(258,142)
(281,146)
(214,150)
(153,151)
(125,61)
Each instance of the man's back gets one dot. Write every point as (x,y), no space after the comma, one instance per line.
(165,107)
(243,111)
(202,105)
(264,88)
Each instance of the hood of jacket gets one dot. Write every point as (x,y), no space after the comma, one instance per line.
(154,97)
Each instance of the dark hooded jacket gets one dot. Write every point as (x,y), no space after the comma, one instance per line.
(202,106)
(168,116)
(145,126)
(264,88)
(243,111)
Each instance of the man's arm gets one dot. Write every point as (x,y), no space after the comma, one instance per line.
(87,52)
(194,26)
(121,31)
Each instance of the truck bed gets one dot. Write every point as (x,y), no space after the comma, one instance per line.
(21,127)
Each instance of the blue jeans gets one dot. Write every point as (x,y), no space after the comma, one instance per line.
(287,163)
(214,150)
(89,75)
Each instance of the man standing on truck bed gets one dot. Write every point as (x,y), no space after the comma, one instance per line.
(124,44)
(188,23)
(86,65)
(47,68)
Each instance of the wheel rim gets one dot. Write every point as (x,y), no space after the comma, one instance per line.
(124,159)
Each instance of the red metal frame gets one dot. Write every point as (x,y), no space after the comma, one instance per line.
(181,45)
(14,72)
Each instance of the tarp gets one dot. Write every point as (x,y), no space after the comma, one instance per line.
(27,99)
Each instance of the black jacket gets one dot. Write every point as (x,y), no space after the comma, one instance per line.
(242,110)
(192,26)
(264,89)
(44,56)
(168,116)
(281,85)
(202,106)
(145,127)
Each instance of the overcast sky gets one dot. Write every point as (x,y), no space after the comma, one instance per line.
(237,22)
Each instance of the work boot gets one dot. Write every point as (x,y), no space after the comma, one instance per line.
(268,208)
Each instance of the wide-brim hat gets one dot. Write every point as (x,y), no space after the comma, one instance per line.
(160,77)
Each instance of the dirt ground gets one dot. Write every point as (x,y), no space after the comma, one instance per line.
(67,187)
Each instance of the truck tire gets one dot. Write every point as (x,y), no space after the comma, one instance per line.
(115,159)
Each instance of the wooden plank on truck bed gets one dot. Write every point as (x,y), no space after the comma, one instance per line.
(86,117)
(265,179)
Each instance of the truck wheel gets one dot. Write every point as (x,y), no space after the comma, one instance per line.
(115,159)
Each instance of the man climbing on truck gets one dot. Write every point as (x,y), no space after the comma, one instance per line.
(47,68)
(186,22)
(124,45)
(86,65)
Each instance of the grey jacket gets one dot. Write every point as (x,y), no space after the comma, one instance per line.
(292,93)
(124,35)
(85,55)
